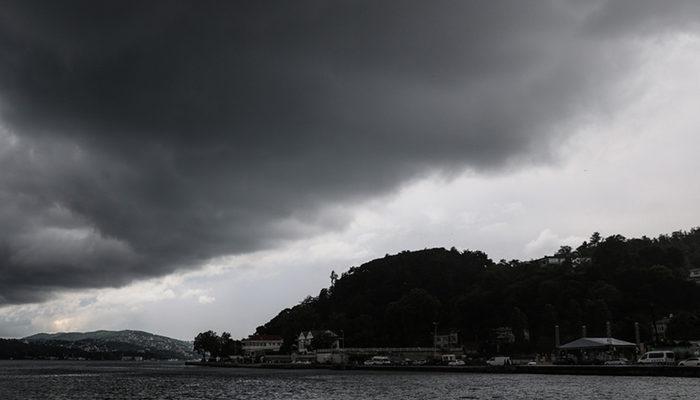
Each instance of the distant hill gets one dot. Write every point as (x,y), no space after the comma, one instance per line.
(128,342)
(394,300)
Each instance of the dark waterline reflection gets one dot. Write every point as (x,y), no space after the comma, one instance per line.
(124,380)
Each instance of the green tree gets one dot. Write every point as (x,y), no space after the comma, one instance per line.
(564,251)
(323,340)
(684,326)
(207,342)
(229,347)
(383,302)
(412,316)
(519,324)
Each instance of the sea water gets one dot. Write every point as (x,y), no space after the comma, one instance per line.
(173,380)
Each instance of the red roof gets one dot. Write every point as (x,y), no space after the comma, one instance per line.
(264,337)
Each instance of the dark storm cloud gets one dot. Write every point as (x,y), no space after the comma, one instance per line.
(643,17)
(144,137)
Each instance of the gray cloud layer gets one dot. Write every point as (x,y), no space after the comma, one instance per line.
(144,137)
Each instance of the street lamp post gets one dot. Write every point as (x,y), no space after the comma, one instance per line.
(343,357)
(435,325)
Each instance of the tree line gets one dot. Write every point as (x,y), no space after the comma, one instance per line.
(215,346)
(21,350)
(399,299)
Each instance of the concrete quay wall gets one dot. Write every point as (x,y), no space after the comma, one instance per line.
(626,370)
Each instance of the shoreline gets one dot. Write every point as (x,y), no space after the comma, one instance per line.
(626,370)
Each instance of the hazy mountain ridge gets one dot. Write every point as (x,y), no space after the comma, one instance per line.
(115,341)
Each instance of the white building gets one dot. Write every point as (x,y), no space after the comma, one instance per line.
(661,327)
(560,260)
(447,341)
(261,344)
(504,334)
(305,339)
(694,275)
(555,260)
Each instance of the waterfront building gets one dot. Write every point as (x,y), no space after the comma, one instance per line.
(660,328)
(261,344)
(446,341)
(694,275)
(305,340)
(504,334)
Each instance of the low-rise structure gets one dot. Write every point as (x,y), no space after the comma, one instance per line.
(261,344)
(554,260)
(661,327)
(504,334)
(694,275)
(324,338)
(587,349)
(574,260)
(446,341)
(578,261)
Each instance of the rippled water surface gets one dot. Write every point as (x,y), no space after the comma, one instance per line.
(122,380)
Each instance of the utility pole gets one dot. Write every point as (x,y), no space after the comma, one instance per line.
(556,336)
(343,357)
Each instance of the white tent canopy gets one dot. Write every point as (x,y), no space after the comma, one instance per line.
(595,343)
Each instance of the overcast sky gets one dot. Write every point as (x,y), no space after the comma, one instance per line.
(177,167)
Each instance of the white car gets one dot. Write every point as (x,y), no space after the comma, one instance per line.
(498,361)
(456,363)
(378,360)
(690,362)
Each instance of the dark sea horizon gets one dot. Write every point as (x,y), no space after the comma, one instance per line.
(66,380)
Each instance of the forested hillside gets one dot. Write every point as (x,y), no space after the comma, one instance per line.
(98,345)
(393,301)
(117,340)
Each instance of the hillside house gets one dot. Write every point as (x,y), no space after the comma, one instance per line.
(305,341)
(694,275)
(447,341)
(504,334)
(660,328)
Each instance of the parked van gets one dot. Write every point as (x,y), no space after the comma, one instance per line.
(658,357)
(498,361)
